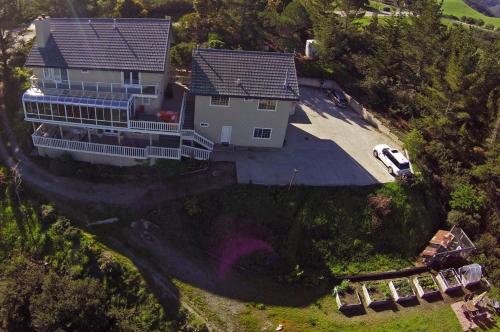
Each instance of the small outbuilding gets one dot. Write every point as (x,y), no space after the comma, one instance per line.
(447,244)
(470,274)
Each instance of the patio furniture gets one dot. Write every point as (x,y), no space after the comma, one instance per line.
(168,116)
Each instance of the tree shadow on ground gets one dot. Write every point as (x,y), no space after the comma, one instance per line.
(316,100)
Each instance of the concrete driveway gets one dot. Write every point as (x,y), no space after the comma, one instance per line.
(328,146)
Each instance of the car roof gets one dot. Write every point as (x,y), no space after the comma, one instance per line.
(399,156)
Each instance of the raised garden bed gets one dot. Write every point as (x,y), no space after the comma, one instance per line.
(425,286)
(401,290)
(346,296)
(377,293)
(448,280)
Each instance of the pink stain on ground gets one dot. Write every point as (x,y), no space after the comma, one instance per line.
(239,247)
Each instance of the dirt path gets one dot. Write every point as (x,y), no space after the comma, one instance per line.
(140,197)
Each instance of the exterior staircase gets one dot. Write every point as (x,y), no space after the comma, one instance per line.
(193,145)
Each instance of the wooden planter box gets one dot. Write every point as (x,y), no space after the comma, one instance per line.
(348,300)
(426,291)
(376,297)
(398,294)
(448,280)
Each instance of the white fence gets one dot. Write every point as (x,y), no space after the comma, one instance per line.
(164,153)
(95,148)
(153,126)
(122,151)
(192,152)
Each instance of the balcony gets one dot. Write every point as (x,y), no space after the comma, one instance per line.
(104,109)
(146,90)
(168,118)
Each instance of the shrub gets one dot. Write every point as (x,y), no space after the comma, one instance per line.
(465,220)
(260,306)
(345,286)
(490,26)
(180,54)
(47,214)
(215,41)
(192,206)
(312,69)
(466,197)
(479,22)
(379,206)
(173,8)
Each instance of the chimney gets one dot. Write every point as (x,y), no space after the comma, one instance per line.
(42,29)
(285,85)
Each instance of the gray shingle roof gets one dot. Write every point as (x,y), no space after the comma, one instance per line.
(244,74)
(135,44)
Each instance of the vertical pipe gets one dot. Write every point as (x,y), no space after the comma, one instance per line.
(61,132)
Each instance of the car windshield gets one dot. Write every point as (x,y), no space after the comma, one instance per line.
(340,95)
(404,166)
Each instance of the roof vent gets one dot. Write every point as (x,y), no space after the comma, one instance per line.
(238,81)
(89,21)
(114,23)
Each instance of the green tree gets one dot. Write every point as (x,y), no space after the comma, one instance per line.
(11,17)
(130,8)
(350,9)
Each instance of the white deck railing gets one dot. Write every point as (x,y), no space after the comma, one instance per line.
(153,126)
(166,153)
(95,148)
(139,89)
(191,135)
(107,149)
(203,141)
(192,152)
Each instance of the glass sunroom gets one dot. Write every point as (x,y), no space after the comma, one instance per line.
(95,110)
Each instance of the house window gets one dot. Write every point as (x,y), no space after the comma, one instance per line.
(203,124)
(248,100)
(84,71)
(267,105)
(146,101)
(131,78)
(55,74)
(219,101)
(262,133)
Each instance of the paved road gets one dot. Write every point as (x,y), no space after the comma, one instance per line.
(328,145)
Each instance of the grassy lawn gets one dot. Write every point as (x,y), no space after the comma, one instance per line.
(459,8)
(324,316)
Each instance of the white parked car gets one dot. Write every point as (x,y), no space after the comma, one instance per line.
(395,161)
